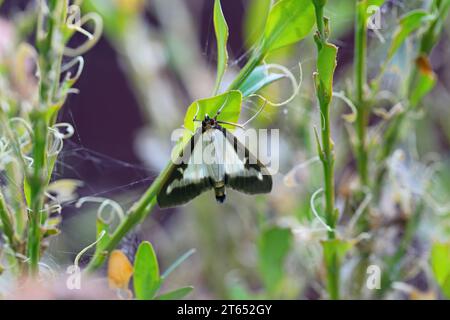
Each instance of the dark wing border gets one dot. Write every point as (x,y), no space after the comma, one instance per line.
(184,194)
(248,183)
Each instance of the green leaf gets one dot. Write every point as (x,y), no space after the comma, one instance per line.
(221,28)
(335,248)
(175,294)
(326,64)
(258,79)
(255,20)
(440,263)
(273,247)
(230,101)
(377,3)
(289,21)
(408,24)
(146,278)
(424,82)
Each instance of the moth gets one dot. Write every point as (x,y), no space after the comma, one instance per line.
(213,159)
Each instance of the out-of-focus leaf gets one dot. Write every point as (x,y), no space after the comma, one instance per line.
(146,278)
(425,81)
(289,21)
(255,20)
(377,3)
(120,270)
(335,248)
(175,294)
(440,9)
(177,263)
(258,79)
(221,28)
(273,247)
(237,291)
(440,263)
(326,64)
(408,24)
(230,101)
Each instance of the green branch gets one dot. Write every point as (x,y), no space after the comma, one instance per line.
(326,64)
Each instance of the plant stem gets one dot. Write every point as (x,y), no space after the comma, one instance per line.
(255,60)
(326,153)
(36,182)
(7,225)
(360,83)
(137,213)
(50,58)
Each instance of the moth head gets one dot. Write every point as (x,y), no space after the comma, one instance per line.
(208,122)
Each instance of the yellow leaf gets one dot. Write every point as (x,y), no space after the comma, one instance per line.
(120,270)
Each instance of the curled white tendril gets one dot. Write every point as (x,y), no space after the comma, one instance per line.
(430,172)
(24,139)
(288,74)
(77,61)
(5,152)
(115,208)
(83,251)
(389,114)
(58,137)
(76,22)
(12,263)
(313,208)
(54,208)
(347,117)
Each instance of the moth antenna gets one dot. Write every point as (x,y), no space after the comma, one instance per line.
(221,108)
(196,113)
(256,114)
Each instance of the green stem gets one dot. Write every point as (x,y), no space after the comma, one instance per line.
(326,153)
(137,213)
(393,264)
(7,224)
(360,83)
(50,59)
(245,72)
(36,181)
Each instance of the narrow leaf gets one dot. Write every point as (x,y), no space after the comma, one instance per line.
(258,79)
(175,294)
(408,24)
(146,272)
(425,81)
(440,263)
(221,28)
(326,64)
(273,247)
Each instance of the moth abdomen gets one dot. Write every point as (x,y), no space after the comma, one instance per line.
(219,190)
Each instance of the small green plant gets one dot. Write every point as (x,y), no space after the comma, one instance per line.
(147,279)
